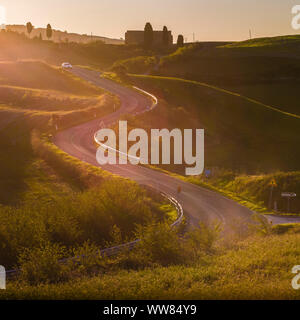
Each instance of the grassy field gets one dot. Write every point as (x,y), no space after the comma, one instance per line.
(280,95)
(254,61)
(39,75)
(35,87)
(264,69)
(258,267)
(268,42)
(241,134)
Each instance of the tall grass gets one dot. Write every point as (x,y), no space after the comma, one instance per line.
(258,267)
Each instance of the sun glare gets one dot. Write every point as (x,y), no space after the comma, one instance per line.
(2,17)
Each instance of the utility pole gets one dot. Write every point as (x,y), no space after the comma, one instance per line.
(272,185)
(250,34)
(193,37)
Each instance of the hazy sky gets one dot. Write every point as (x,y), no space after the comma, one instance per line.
(208,19)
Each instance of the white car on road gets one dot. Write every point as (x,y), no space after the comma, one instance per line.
(66,65)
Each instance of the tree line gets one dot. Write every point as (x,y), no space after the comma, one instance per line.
(149,36)
(49,31)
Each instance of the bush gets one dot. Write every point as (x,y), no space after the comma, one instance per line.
(139,65)
(19,229)
(41,265)
(201,240)
(87,260)
(160,243)
(261,224)
(102,215)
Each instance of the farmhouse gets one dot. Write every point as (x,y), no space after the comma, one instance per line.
(137,37)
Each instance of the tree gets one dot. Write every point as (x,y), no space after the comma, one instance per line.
(166,36)
(29,28)
(148,35)
(180,41)
(49,31)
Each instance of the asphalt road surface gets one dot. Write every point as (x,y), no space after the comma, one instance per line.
(198,203)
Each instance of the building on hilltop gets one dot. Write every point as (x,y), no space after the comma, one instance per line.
(137,37)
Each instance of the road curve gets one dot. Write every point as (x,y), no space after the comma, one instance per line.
(198,203)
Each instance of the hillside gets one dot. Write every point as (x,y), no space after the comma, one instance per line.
(241,134)
(50,201)
(267,69)
(63,36)
(268,42)
(248,143)
(17,46)
(39,75)
(32,94)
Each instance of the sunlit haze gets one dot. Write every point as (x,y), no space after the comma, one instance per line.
(2,15)
(195,19)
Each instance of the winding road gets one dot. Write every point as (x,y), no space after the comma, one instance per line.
(198,203)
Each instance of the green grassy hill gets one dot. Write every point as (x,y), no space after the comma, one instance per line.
(282,96)
(249,61)
(248,143)
(241,133)
(266,69)
(270,42)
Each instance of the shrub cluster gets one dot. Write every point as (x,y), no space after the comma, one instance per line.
(72,220)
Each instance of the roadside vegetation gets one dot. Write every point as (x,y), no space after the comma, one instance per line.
(203,265)
(253,191)
(49,201)
(140,65)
